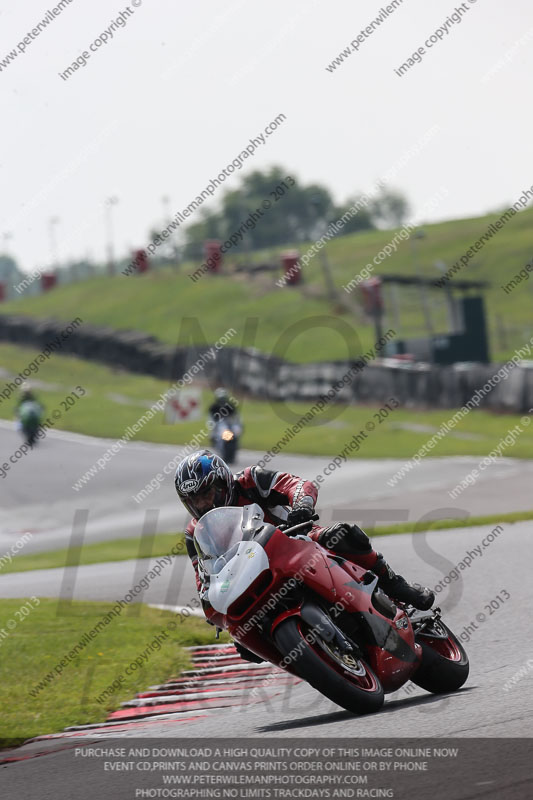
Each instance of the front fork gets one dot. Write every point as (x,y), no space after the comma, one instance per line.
(320,622)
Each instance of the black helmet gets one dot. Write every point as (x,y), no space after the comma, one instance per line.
(203,481)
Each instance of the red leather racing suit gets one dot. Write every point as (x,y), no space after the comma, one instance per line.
(277,493)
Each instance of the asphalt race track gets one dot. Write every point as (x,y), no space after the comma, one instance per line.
(37,492)
(492,596)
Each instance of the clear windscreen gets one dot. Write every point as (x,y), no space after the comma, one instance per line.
(219,532)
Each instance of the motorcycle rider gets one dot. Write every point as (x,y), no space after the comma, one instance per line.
(204,481)
(223,414)
(29,412)
(221,405)
(26,395)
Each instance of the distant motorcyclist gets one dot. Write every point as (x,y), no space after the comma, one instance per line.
(30,413)
(204,481)
(221,405)
(226,426)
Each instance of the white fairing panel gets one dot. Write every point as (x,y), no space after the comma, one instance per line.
(237,575)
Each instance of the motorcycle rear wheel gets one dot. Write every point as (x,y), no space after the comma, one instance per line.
(345,680)
(444,666)
(31,437)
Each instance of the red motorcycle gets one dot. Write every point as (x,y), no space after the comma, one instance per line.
(316,615)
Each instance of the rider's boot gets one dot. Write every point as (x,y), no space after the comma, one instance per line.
(399,589)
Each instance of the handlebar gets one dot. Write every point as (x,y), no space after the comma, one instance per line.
(297,528)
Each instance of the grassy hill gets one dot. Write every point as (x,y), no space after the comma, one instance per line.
(157,302)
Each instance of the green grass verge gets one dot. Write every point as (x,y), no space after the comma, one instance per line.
(123,549)
(33,648)
(99,552)
(447,524)
(160,302)
(100,414)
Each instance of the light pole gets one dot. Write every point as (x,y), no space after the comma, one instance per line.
(420,234)
(324,262)
(109,203)
(53,222)
(6,237)
(452,308)
(166,206)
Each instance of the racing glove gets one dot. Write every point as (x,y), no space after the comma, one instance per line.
(298,515)
(303,511)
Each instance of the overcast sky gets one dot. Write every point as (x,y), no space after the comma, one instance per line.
(180,90)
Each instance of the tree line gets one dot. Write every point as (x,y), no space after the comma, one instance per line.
(297,213)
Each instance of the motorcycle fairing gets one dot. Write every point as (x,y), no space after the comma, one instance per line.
(390,643)
(391,651)
(228,584)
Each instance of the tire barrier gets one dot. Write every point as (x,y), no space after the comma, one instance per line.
(257,374)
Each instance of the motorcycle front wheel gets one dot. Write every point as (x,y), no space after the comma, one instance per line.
(444,666)
(343,678)
(229,451)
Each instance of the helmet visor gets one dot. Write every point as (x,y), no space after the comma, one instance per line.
(214,496)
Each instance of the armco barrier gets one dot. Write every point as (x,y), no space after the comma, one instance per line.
(248,371)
